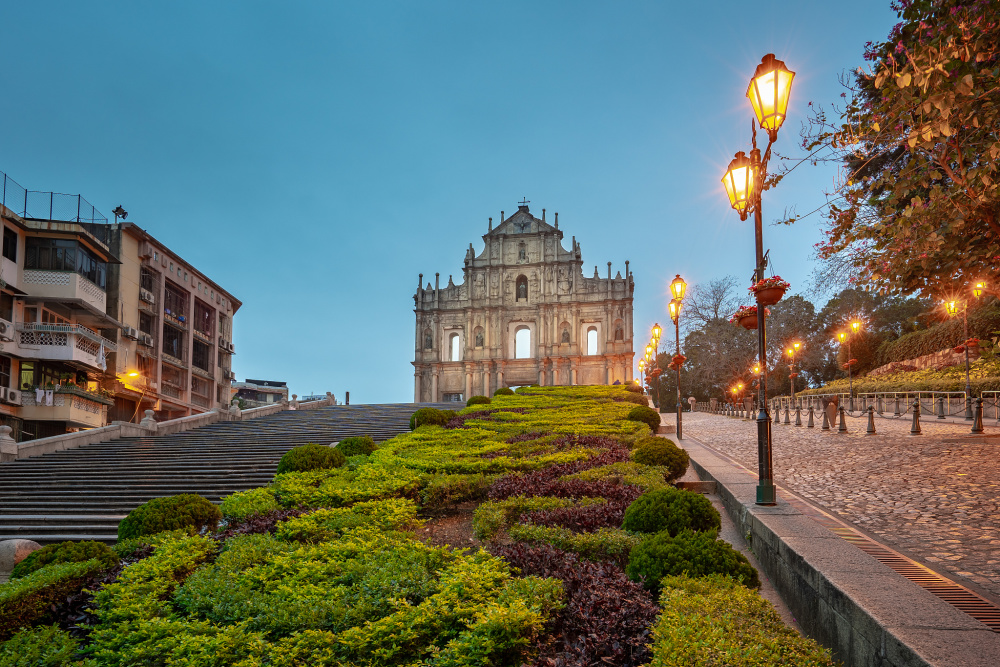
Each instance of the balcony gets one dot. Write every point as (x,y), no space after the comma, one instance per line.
(70,343)
(65,286)
(69,404)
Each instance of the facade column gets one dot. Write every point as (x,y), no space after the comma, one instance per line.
(434,386)
(486,380)
(572,372)
(416,385)
(468,381)
(500,376)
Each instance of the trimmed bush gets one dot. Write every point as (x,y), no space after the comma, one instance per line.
(30,599)
(185,511)
(632,387)
(662,452)
(504,391)
(242,504)
(691,554)
(734,626)
(637,399)
(478,400)
(355,445)
(66,552)
(310,457)
(430,417)
(646,415)
(45,646)
(672,510)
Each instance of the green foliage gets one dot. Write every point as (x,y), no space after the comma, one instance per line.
(655,451)
(328,524)
(688,553)
(645,415)
(28,600)
(310,457)
(478,400)
(951,378)
(626,472)
(504,391)
(601,544)
(186,510)
(342,486)
(43,646)
(716,621)
(492,517)
(947,334)
(672,510)
(441,490)
(430,417)
(242,504)
(65,552)
(636,399)
(356,445)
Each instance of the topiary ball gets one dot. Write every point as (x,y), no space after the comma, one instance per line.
(691,554)
(646,415)
(310,457)
(478,400)
(634,388)
(359,444)
(504,391)
(185,511)
(430,417)
(655,451)
(635,398)
(65,552)
(672,510)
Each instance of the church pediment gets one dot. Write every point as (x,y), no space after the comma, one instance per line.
(521,222)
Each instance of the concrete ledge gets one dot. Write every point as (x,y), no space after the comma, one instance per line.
(865,612)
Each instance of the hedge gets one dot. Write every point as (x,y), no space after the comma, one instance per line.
(29,600)
(983,323)
(65,552)
(184,511)
(951,378)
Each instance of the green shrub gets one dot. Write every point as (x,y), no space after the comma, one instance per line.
(441,490)
(185,511)
(637,399)
(356,445)
(328,524)
(430,417)
(715,621)
(600,544)
(66,552)
(504,391)
(242,504)
(29,600)
(672,510)
(691,554)
(662,452)
(478,400)
(949,333)
(633,388)
(646,415)
(310,457)
(45,646)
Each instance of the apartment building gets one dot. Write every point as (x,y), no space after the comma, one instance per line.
(256,393)
(100,322)
(174,355)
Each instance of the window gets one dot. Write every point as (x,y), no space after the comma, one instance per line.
(10,244)
(454,344)
(201,355)
(4,371)
(7,306)
(224,327)
(175,301)
(146,366)
(204,317)
(522,343)
(173,342)
(47,254)
(30,314)
(48,317)
(147,323)
(592,340)
(146,280)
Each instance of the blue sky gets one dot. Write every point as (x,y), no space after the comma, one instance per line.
(313,158)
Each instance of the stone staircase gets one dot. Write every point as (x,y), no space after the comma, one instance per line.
(83,493)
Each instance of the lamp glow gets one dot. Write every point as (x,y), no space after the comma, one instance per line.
(675,310)
(657,330)
(769,91)
(741,182)
(856,325)
(678,287)
(951,307)
(978,289)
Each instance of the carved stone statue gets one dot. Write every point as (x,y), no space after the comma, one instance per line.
(428,340)
(565,336)
(522,290)
(522,253)
(479,339)
(619,332)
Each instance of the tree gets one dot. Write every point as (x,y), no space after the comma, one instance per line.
(919,205)
(715,301)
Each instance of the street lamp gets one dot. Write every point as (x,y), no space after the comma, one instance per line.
(845,337)
(677,287)
(978,289)
(655,342)
(791,367)
(952,309)
(769,91)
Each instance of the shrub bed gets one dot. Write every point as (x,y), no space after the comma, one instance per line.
(689,553)
(310,457)
(66,552)
(184,511)
(43,646)
(32,598)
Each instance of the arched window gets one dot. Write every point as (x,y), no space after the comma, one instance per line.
(592,340)
(454,344)
(522,288)
(522,343)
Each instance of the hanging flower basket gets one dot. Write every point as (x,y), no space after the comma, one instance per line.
(793,375)
(656,372)
(673,366)
(679,359)
(972,344)
(769,290)
(958,349)
(746,316)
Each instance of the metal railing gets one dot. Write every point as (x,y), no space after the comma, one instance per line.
(50,205)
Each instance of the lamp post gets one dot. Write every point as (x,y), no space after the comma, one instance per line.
(952,308)
(844,337)
(655,342)
(768,93)
(791,366)
(677,288)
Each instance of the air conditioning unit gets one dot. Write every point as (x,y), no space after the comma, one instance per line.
(13,396)
(146,295)
(230,348)
(131,332)
(6,330)
(151,384)
(145,250)
(146,339)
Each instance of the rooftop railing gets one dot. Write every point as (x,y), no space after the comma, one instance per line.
(49,205)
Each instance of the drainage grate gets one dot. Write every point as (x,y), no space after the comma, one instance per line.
(954,594)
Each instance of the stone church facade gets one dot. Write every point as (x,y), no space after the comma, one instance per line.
(523,314)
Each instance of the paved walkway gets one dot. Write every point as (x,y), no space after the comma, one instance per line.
(935,497)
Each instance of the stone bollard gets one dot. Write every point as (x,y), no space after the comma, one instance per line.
(879,405)
(798,415)
(148,422)
(235,414)
(897,413)
(294,405)
(826,421)
(810,423)
(8,446)
(915,429)
(940,414)
(777,413)
(977,424)
(871,421)
(843,421)
(786,414)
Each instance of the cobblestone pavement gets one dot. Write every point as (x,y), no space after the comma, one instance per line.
(934,496)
